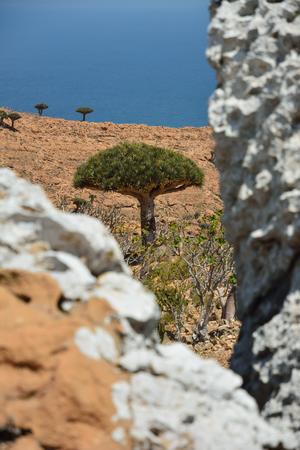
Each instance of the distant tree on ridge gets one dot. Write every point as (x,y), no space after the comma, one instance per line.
(13,116)
(84,111)
(41,108)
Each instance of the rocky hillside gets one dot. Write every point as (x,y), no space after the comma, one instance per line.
(47,151)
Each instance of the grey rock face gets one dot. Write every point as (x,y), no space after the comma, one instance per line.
(168,398)
(177,401)
(255,112)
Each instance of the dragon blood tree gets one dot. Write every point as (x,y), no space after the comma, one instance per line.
(41,107)
(14,116)
(84,111)
(141,171)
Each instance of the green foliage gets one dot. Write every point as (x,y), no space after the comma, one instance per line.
(41,107)
(167,279)
(81,204)
(173,305)
(84,110)
(167,270)
(137,168)
(14,116)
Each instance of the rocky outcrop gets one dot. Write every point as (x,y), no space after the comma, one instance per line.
(255,49)
(80,364)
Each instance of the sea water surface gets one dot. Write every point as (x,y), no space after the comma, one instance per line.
(130,62)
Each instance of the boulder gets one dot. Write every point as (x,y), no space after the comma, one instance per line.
(254,46)
(81,366)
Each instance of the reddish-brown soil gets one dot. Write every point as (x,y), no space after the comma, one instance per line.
(47,151)
(47,386)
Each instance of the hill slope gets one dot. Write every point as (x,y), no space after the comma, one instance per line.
(47,151)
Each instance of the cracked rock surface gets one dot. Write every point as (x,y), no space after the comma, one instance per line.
(81,367)
(254,46)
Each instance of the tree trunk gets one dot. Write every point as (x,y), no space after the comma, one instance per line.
(200,332)
(229,309)
(148,224)
(83,117)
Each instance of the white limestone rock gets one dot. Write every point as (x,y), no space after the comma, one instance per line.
(254,46)
(178,401)
(96,344)
(129,298)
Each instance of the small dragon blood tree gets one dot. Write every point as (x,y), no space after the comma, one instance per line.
(142,171)
(41,107)
(84,111)
(13,116)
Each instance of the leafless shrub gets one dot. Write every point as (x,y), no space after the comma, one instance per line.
(111,217)
(189,263)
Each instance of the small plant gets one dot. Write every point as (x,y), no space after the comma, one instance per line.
(169,280)
(143,172)
(41,107)
(82,206)
(13,118)
(84,111)
(3,116)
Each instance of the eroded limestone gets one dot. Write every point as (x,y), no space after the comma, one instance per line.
(255,48)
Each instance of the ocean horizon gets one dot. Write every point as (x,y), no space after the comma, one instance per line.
(131,65)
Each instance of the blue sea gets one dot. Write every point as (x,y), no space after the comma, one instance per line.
(132,61)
